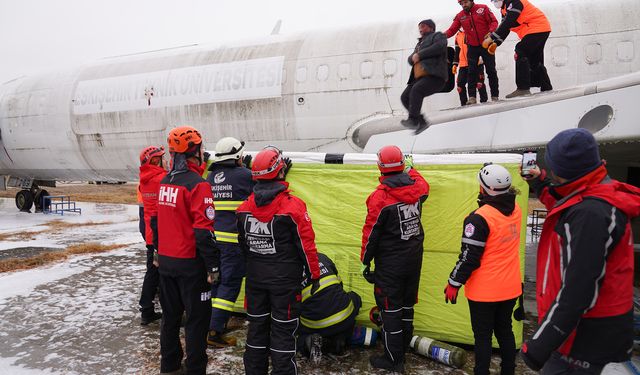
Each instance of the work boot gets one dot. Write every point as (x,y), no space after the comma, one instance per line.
(518,92)
(218,340)
(314,346)
(471,101)
(150,317)
(385,363)
(422,126)
(495,99)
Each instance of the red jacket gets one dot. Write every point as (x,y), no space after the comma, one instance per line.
(584,277)
(150,177)
(185,222)
(476,23)
(276,234)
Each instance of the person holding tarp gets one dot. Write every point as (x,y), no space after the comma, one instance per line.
(584,263)
(328,316)
(489,268)
(393,237)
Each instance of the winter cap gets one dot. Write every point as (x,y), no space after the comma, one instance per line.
(429,23)
(572,153)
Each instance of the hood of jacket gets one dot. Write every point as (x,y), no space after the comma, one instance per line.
(505,203)
(267,198)
(149,171)
(401,187)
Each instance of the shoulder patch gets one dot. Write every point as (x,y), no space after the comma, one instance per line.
(306,216)
(210,212)
(480,10)
(469,230)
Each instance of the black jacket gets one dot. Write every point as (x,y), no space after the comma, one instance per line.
(230,186)
(432,49)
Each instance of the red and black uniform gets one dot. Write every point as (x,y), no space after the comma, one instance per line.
(187,253)
(150,176)
(231,185)
(476,24)
(460,60)
(275,232)
(393,237)
(489,267)
(533,28)
(329,311)
(584,277)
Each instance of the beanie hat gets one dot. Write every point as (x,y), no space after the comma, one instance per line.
(572,153)
(429,23)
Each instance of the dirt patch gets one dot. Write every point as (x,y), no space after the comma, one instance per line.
(125,193)
(13,264)
(55,226)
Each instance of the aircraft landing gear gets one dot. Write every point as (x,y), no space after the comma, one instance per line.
(24,200)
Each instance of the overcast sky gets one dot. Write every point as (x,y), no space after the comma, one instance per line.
(41,35)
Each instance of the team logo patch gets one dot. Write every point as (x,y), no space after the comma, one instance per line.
(469,230)
(219,178)
(306,216)
(210,212)
(480,10)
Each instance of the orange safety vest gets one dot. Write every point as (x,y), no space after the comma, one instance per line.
(139,197)
(498,278)
(531,20)
(462,57)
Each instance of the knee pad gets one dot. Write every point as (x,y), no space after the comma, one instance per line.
(459,90)
(480,85)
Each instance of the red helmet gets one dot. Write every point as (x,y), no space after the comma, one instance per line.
(182,139)
(390,159)
(267,164)
(149,153)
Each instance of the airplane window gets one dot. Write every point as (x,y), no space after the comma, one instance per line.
(593,53)
(344,70)
(560,55)
(366,69)
(390,67)
(625,51)
(597,118)
(301,74)
(323,72)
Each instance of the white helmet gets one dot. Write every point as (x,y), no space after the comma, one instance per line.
(494,179)
(228,148)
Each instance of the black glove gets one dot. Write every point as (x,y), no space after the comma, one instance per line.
(518,313)
(367,274)
(529,360)
(206,156)
(156,258)
(315,285)
(214,276)
(246,160)
(287,165)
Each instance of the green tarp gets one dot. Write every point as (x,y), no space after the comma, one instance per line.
(335,195)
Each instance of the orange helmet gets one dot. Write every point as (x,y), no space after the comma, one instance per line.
(149,153)
(390,159)
(183,139)
(267,164)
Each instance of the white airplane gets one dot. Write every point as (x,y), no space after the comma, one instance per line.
(325,91)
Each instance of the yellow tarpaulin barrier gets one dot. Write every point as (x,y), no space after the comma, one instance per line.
(336,194)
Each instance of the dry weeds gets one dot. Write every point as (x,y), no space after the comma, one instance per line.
(55,226)
(13,264)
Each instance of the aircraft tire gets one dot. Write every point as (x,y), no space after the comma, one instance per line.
(24,200)
(38,200)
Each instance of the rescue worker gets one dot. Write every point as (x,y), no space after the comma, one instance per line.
(393,237)
(188,256)
(231,184)
(430,56)
(151,173)
(585,258)
(141,227)
(476,21)
(460,67)
(533,29)
(276,235)
(489,268)
(329,315)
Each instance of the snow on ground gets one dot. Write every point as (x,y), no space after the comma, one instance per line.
(81,316)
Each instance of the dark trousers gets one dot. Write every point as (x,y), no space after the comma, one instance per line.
(396,291)
(224,295)
(335,337)
(462,84)
(179,293)
(417,90)
(489,61)
(530,69)
(273,313)
(141,226)
(559,365)
(149,285)
(488,318)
